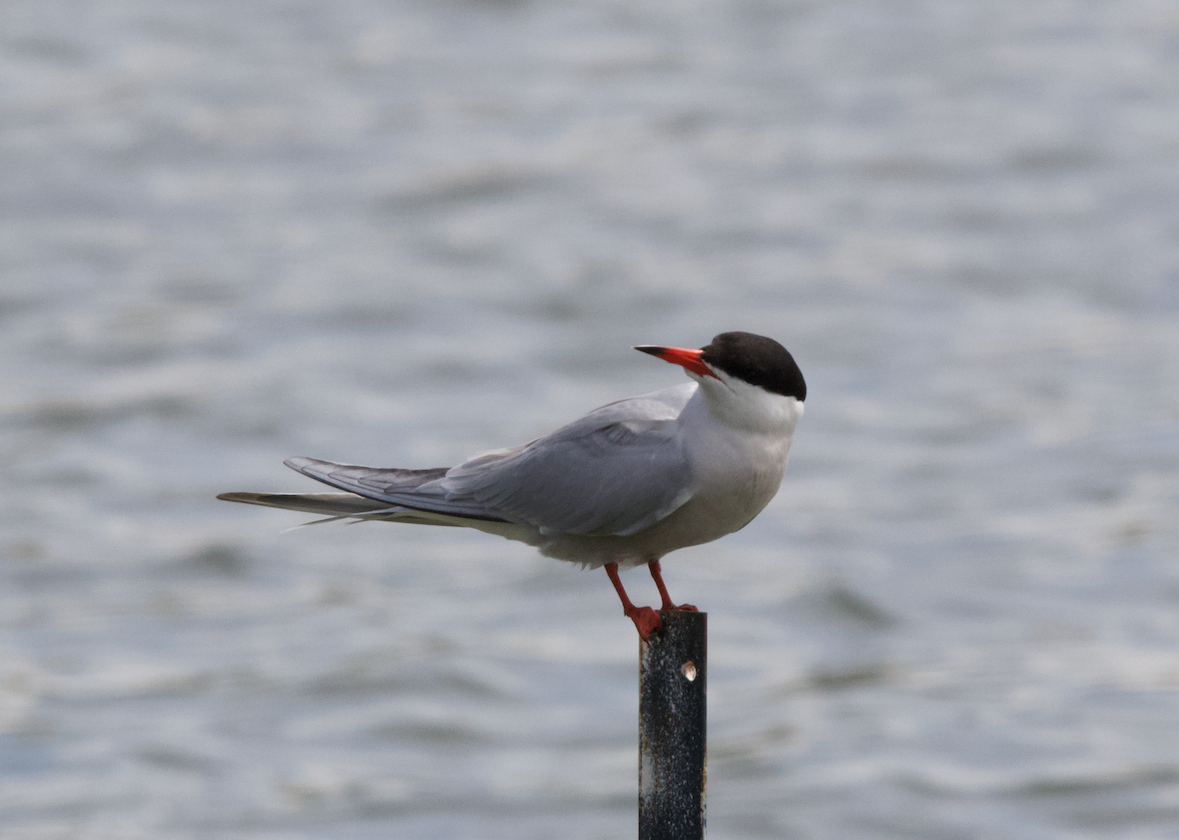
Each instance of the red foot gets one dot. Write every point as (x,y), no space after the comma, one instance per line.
(646,621)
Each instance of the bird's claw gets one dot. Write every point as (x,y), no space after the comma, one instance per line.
(646,621)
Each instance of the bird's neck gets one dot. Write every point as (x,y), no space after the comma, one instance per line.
(747,408)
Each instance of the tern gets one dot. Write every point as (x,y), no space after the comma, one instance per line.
(619,487)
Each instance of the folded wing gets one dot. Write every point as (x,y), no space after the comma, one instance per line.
(615,471)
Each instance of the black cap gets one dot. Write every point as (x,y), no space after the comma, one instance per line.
(757,360)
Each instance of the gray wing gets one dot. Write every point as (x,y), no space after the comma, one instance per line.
(616,470)
(415,489)
(334,506)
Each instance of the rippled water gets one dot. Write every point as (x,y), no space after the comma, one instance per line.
(403,232)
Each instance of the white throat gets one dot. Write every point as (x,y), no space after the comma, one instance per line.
(750,408)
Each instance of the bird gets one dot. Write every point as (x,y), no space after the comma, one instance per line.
(619,487)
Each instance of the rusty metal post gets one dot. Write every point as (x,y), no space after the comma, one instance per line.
(672,680)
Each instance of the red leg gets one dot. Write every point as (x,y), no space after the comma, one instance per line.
(657,574)
(645,618)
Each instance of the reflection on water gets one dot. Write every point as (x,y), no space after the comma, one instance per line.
(402,233)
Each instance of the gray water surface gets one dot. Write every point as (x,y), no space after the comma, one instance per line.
(400,232)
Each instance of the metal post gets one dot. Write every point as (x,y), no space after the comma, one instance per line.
(672,681)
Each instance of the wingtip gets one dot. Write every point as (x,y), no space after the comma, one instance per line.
(237,497)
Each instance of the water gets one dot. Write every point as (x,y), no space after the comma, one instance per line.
(403,232)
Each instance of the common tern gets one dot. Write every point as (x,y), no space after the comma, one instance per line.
(619,487)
